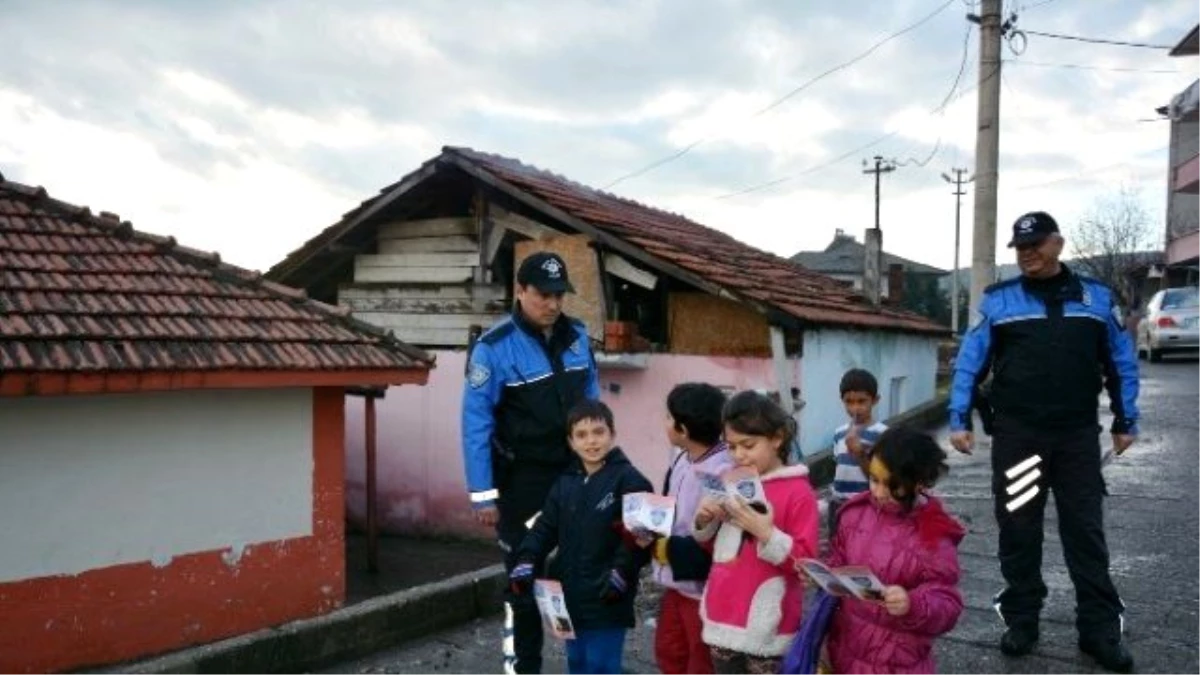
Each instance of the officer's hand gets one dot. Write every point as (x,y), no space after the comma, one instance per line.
(962,441)
(520,579)
(1121,442)
(488,515)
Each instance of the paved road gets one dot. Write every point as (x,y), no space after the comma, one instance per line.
(1152,521)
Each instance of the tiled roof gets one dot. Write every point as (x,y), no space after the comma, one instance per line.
(846,255)
(84,293)
(714,256)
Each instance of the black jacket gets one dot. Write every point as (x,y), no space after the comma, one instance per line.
(1050,345)
(582,517)
(518,389)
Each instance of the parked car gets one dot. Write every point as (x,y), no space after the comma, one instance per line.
(1169,323)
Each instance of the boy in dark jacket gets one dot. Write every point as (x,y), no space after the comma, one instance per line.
(582,517)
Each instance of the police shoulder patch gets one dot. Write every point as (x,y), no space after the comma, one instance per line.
(1116,314)
(976,320)
(478,375)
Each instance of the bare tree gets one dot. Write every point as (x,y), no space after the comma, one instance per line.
(1113,238)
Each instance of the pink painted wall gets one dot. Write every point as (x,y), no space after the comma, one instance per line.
(420,472)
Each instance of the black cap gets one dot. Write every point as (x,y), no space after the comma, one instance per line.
(546,272)
(1032,228)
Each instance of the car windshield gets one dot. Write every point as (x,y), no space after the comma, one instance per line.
(1181,298)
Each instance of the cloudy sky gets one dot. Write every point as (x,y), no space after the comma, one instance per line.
(248,126)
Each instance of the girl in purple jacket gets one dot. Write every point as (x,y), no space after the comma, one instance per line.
(905,536)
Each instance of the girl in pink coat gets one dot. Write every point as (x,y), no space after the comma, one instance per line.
(752,602)
(905,536)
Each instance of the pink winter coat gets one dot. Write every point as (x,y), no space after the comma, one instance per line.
(752,601)
(917,551)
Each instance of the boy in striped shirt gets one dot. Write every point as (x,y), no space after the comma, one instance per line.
(852,441)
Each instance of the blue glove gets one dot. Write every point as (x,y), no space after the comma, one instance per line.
(615,588)
(520,579)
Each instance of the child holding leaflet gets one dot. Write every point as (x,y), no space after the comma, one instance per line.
(907,539)
(751,607)
(681,565)
(582,516)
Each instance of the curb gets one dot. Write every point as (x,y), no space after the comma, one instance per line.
(341,635)
(820,464)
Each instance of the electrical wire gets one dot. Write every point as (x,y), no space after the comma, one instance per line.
(1087,172)
(774,104)
(1100,41)
(1076,66)
(951,97)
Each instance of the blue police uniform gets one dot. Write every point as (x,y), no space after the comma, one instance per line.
(519,387)
(1050,345)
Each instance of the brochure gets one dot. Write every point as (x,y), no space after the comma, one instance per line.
(552,605)
(741,481)
(851,580)
(646,514)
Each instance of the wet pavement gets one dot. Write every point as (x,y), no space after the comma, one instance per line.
(1152,521)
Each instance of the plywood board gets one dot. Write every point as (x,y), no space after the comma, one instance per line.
(583,268)
(432,227)
(700,323)
(451,244)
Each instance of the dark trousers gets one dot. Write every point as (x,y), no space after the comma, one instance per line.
(596,651)
(678,641)
(522,493)
(1026,465)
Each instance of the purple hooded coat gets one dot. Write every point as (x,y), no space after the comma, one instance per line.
(918,551)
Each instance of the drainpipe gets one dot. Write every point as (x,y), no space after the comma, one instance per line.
(372,506)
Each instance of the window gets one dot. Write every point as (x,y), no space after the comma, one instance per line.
(1178,298)
(896,397)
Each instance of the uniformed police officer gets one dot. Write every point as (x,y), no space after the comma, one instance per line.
(523,375)
(1050,338)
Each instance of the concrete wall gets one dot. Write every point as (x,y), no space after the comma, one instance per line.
(420,470)
(134,524)
(93,481)
(909,359)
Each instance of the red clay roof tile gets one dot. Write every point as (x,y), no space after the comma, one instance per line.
(84,293)
(710,254)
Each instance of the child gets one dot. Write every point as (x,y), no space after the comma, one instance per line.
(752,603)
(680,564)
(852,441)
(582,517)
(905,536)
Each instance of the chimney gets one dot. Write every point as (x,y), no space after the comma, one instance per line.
(873,242)
(895,283)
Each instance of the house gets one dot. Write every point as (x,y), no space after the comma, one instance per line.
(171,471)
(432,257)
(845,257)
(1182,236)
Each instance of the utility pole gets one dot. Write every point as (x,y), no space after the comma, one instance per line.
(873,240)
(958,195)
(987,150)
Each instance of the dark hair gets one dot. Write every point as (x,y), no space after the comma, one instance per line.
(914,460)
(857,379)
(754,414)
(696,408)
(588,409)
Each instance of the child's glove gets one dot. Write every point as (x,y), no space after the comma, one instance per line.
(520,579)
(614,588)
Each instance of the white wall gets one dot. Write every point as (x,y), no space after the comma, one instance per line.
(92,481)
(830,353)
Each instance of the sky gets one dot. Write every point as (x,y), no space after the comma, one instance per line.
(247,126)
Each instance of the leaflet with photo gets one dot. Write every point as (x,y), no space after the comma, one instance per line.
(741,481)
(646,514)
(851,580)
(552,605)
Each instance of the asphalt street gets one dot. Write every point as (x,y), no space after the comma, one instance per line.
(1152,519)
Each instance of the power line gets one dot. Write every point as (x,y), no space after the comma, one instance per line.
(951,97)
(1025,8)
(1075,66)
(1087,172)
(688,148)
(1101,41)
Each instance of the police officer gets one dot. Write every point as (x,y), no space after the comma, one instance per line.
(523,375)
(1050,338)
